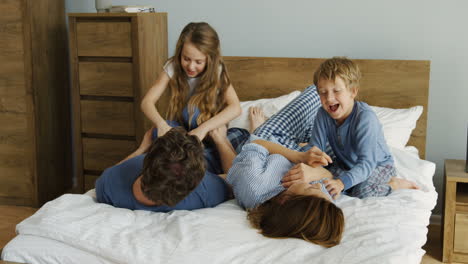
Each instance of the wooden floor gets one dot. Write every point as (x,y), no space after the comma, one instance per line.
(12,215)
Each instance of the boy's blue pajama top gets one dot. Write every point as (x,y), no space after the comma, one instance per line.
(358,144)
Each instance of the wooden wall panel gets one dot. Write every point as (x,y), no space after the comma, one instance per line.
(16,175)
(50,91)
(34,150)
(12,82)
(16,144)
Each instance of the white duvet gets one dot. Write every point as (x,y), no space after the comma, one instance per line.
(389,229)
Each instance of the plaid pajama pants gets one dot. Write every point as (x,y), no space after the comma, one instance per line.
(290,126)
(376,184)
(293,124)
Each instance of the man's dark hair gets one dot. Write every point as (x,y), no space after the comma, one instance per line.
(173,167)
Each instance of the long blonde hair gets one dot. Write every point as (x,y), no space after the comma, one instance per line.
(209,95)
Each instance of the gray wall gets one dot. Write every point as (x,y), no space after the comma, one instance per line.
(363,29)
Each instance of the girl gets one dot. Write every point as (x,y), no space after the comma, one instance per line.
(202,97)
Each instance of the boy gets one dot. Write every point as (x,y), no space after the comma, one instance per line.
(364,165)
(172,175)
(351,129)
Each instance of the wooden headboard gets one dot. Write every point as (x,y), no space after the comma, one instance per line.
(386,83)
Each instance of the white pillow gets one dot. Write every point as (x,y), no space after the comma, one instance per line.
(398,124)
(411,167)
(269,106)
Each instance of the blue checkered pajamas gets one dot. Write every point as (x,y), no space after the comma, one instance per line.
(293,124)
(376,184)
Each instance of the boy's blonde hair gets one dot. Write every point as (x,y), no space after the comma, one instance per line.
(210,93)
(307,217)
(341,67)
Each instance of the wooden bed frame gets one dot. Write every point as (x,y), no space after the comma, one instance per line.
(386,83)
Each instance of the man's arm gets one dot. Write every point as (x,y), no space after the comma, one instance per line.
(224,147)
(145,144)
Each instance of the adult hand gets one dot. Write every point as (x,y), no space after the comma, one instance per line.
(315,157)
(334,187)
(199,132)
(298,173)
(163,128)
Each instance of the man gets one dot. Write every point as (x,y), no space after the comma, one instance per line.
(174,172)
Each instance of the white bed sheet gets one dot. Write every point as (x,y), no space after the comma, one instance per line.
(381,230)
(41,250)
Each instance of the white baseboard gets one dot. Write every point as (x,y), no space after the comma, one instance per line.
(435,220)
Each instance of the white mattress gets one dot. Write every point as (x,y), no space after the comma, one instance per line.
(381,230)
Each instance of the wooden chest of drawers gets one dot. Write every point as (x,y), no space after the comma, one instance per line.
(115,59)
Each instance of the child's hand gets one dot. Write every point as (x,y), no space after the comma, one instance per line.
(298,173)
(315,157)
(334,187)
(163,129)
(146,141)
(199,132)
(218,133)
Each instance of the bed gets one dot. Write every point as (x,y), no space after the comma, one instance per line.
(75,229)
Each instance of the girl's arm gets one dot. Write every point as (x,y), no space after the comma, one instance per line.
(231,111)
(148,104)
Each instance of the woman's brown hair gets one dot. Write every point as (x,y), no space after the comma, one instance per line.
(311,218)
(209,95)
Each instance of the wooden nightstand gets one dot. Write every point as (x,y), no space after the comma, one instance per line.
(455,218)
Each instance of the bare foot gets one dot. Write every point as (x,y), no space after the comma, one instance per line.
(256,118)
(398,183)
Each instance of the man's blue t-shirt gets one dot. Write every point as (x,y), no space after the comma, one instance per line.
(114,187)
